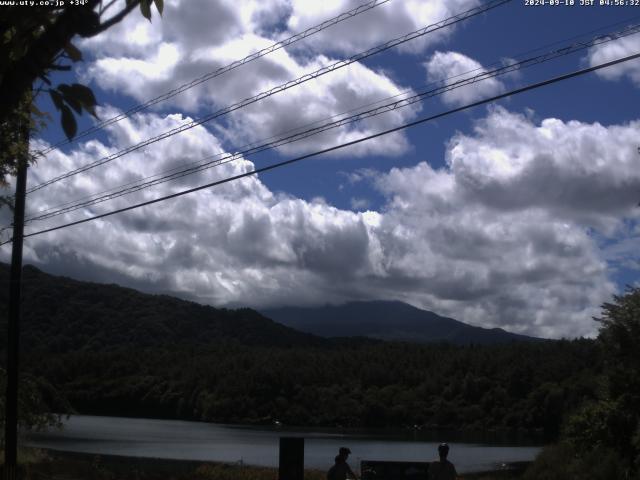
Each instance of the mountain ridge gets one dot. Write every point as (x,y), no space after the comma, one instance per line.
(107,350)
(388,320)
(60,313)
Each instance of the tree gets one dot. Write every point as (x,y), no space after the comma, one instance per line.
(37,399)
(612,423)
(620,338)
(35,41)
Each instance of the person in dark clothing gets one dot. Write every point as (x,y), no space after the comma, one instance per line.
(338,471)
(442,469)
(344,452)
(341,469)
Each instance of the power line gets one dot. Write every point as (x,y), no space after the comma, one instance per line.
(215,73)
(177,173)
(280,88)
(343,145)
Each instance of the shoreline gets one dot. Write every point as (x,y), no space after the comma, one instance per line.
(221,443)
(79,465)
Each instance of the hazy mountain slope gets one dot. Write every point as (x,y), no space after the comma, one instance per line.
(389,321)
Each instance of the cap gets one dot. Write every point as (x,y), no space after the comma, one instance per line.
(344,450)
(443,447)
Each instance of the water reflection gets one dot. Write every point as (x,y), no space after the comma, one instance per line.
(227,443)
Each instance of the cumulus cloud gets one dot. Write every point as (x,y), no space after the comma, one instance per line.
(607,52)
(523,269)
(520,229)
(501,236)
(144,60)
(193,24)
(376,26)
(222,246)
(343,91)
(585,173)
(358,203)
(451,67)
(506,231)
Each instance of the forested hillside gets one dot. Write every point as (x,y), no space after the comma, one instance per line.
(110,350)
(61,315)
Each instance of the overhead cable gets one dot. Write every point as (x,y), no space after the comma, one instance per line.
(216,73)
(341,146)
(280,88)
(206,163)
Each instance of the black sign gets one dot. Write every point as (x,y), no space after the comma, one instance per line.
(291,458)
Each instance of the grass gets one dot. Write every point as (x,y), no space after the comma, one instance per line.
(39,464)
(27,456)
(47,464)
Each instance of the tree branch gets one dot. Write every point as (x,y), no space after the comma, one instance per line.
(47,47)
(107,6)
(115,19)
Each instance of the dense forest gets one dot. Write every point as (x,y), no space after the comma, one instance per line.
(104,349)
(353,383)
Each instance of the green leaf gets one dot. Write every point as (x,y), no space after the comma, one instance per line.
(159,5)
(70,98)
(79,97)
(84,95)
(56,98)
(64,89)
(73,52)
(145,9)
(68,121)
(74,103)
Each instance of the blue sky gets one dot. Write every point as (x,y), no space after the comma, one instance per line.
(520,214)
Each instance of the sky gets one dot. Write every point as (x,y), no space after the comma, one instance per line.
(520,214)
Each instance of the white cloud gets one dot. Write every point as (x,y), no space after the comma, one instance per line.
(613,50)
(507,234)
(343,91)
(499,237)
(583,173)
(524,270)
(359,204)
(194,24)
(453,67)
(178,49)
(376,26)
(224,245)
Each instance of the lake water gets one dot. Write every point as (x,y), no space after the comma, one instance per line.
(174,439)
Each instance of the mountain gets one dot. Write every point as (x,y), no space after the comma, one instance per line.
(388,320)
(61,314)
(106,350)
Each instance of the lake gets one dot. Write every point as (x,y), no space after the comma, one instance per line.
(183,440)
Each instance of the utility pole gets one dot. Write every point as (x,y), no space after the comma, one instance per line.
(13,334)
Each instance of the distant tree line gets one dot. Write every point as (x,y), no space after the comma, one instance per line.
(525,387)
